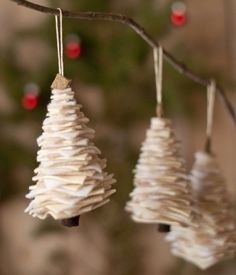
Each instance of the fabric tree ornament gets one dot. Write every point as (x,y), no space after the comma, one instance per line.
(70,179)
(214,238)
(162,189)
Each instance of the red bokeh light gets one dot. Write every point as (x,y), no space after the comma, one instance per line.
(73,50)
(29,101)
(178,18)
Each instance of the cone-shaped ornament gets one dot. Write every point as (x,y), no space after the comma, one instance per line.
(70,179)
(162,190)
(214,238)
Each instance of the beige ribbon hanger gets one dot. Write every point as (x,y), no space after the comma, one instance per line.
(158,68)
(211,92)
(59,36)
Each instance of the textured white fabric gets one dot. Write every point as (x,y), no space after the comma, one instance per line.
(162,189)
(214,238)
(70,179)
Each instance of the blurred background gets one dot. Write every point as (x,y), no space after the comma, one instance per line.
(112,72)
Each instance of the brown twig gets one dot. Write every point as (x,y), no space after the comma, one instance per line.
(178,65)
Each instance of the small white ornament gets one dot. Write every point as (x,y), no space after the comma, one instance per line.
(70,179)
(214,239)
(162,189)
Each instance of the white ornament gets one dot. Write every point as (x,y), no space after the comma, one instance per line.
(162,189)
(70,179)
(214,238)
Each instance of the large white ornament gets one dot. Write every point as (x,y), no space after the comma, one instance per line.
(70,179)
(162,189)
(214,238)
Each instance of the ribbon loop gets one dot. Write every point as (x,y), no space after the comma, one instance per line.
(211,90)
(158,68)
(59,36)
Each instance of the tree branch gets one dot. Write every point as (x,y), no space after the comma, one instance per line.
(100,16)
